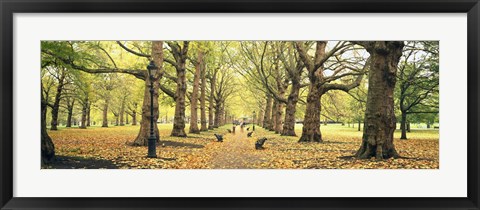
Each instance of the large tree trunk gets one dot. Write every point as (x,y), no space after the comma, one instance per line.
(211,121)
(268,109)
(69,118)
(403,125)
(179,118)
(194,96)
(47,146)
(218,114)
(289,124)
(83,122)
(105,114)
(70,113)
(279,118)
(144,133)
(203,114)
(311,121)
(377,140)
(142,137)
(55,108)
(56,102)
(273,117)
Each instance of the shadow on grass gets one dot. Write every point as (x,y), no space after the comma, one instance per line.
(71,162)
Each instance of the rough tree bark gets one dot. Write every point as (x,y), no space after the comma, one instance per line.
(281,88)
(56,103)
(319,85)
(218,114)
(70,105)
(194,97)
(268,110)
(180,55)
(47,146)
(203,84)
(291,107)
(311,122)
(179,117)
(211,121)
(273,117)
(278,118)
(377,140)
(105,114)
(83,122)
(144,133)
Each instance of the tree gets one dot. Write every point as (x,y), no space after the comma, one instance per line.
(79,56)
(199,64)
(47,146)
(60,75)
(267,120)
(320,83)
(294,68)
(179,54)
(264,57)
(216,61)
(377,140)
(132,106)
(335,106)
(224,88)
(83,94)
(418,78)
(211,103)
(157,57)
(203,86)
(356,105)
(70,102)
(104,85)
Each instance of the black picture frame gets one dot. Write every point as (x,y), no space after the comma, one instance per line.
(10,7)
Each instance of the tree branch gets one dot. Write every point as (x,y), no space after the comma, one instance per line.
(132,51)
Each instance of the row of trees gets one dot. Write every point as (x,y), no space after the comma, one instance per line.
(327,69)
(285,80)
(103,74)
(324,68)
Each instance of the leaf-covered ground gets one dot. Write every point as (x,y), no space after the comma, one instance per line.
(97,147)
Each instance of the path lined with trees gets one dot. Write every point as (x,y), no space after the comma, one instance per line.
(208,84)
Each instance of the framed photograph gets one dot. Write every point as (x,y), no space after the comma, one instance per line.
(239,105)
